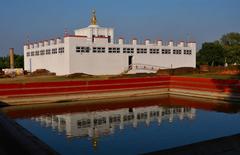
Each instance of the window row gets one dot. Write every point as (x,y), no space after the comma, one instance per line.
(46,52)
(84,49)
(188,52)
(166,51)
(177,51)
(113,50)
(154,51)
(141,50)
(98,49)
(128,50)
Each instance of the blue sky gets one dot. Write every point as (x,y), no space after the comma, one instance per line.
(199,20)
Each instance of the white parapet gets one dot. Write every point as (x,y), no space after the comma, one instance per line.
(40,44)
(191,44)
(147,42)
(35,45)
(46,42)
(31,46)
(170,43)
(52,42)
(121,41)
(181,44)
(59,40)
(159,42)
(134,41)
(26,47)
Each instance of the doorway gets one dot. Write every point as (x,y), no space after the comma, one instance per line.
(30,65)
(130,58)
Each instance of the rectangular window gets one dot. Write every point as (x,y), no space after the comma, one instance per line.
(166,51)
(48,52)
(177,51)
(128,50)
(42,52)
(32,53)
(83,49)
(37,53)
(61,50)
(142,50)
(154,51)
(188,52)
(78,49)
(94,49)
(98,49)
(113,50)
(54,51)
(28,54)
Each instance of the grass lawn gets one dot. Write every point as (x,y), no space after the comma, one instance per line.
(28,79)
(52,78)
(213,76)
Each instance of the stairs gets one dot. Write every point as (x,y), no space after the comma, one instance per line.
(135,68)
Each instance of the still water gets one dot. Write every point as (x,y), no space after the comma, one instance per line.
(130,127)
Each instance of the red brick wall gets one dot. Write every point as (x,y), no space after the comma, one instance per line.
(48,88)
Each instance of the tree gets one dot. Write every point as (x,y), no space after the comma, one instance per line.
(231,44)
(18,61)
(211,54)
(4,62)
(226,49)
(230,39)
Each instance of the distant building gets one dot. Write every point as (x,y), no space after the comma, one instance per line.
(92,50)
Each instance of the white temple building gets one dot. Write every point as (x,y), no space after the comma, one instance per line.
(93,50)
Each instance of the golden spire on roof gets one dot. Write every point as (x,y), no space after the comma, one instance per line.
(94,18)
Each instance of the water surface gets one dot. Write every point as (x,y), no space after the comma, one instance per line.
(131,127)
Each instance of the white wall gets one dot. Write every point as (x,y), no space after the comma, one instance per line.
(57,63)
(103,63)
(116,63)
(95,63)
(95,30)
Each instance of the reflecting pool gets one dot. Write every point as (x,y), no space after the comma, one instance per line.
(129,127)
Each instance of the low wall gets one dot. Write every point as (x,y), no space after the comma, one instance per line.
(205,84)
(201,87)
(17,90)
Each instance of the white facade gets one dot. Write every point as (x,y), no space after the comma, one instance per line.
(92,50)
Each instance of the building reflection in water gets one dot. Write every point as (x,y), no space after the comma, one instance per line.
(99,123)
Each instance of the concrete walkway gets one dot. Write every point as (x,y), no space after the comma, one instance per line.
(221,146)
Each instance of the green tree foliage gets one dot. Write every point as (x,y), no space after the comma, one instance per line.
(4,62)
(227,49)
(18,61)
(230,39)
(211,54)
(231,44)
